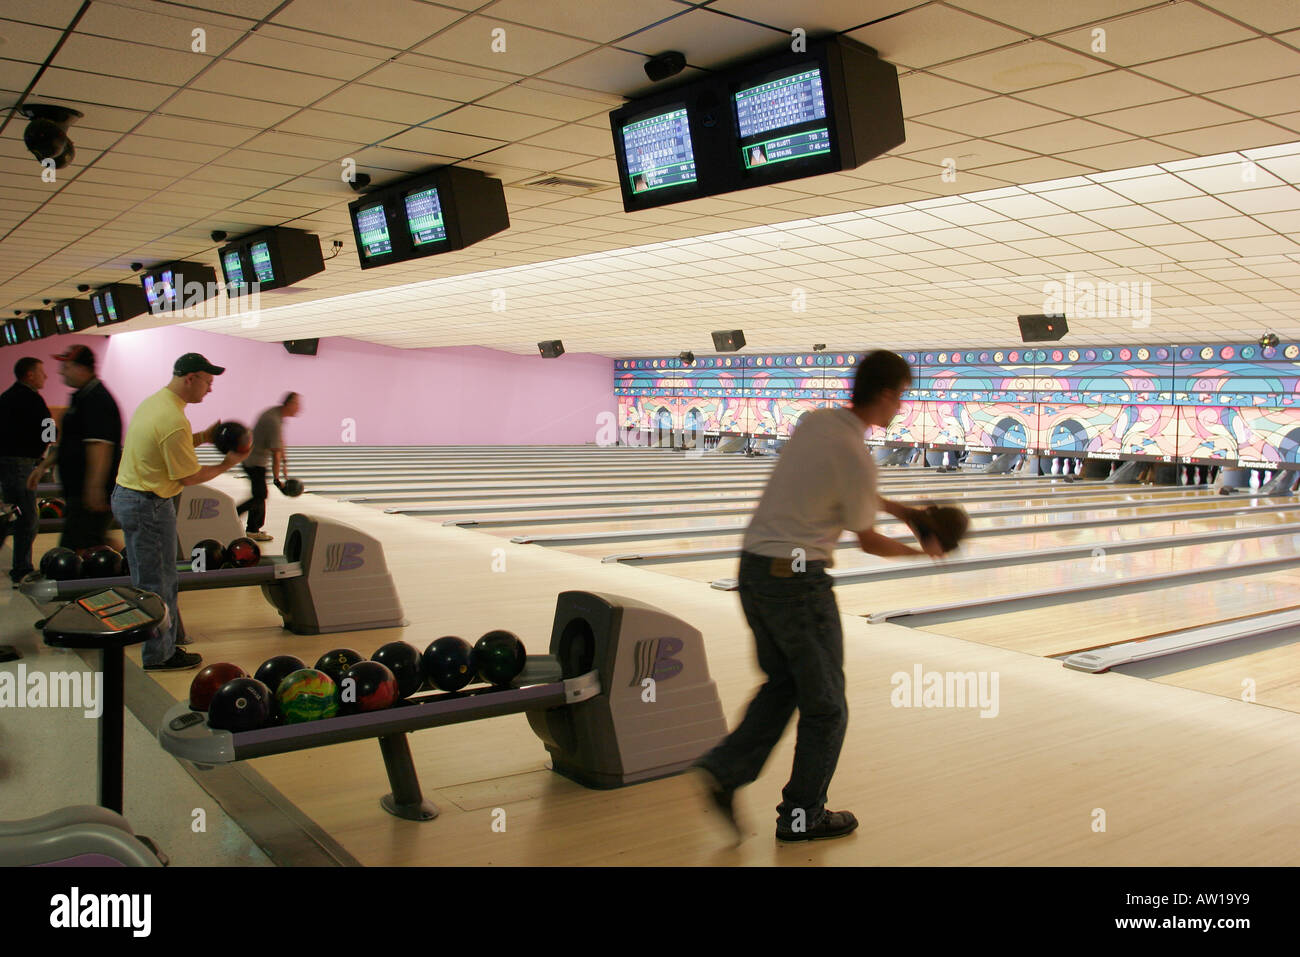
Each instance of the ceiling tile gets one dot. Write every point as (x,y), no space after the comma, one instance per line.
(397,24)
(302,57)
(258,82)
(1271,16)
(526,52)
(1021,67)
(709,40)
(1097,94)
(579,18)
(1165,31)
(934,34)
(1251,62)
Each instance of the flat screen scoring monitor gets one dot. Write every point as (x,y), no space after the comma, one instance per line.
(424,218)
(657,150)
(783,117)
(233,267)
(260,253)
(372,228)
(160,290)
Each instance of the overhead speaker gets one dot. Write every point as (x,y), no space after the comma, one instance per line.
(551,348)
(730,341)
(1042,328)
(301,347)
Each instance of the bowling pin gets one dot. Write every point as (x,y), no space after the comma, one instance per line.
(1268,477)
(1056,466)
(1254,478)
(1113,466)
(945,459)
(1066,468)
(1182,476)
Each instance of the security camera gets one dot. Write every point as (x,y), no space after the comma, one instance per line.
(688,358)
(219,235)
(1268,341)
(666,64)
(359,182)
(83,287)
(136,267)
(819,346)
(45,302)
(46,136)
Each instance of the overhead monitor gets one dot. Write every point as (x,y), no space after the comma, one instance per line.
(783,118)
(424,220)
(655,151)
(117,302)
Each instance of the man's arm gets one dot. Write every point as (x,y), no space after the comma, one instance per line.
(99,458)
(904,513)
(43,466)
(208,472)
(279,465)
(873,543)
(206,436)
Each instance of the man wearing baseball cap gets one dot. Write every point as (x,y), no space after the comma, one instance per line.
(88,452)
(158,460)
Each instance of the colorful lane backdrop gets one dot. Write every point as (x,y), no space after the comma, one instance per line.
(1204,404)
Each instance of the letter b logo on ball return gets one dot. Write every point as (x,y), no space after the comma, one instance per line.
(654,659)
(344,556)
(201,508)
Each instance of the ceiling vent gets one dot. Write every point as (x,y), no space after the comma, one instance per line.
(565,184)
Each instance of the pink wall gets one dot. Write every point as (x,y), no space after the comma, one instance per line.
(455,396)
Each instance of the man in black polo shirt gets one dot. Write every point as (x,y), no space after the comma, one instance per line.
(26,428)
(89,451)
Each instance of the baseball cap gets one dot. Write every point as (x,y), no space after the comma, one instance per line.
(193,362)
(79,354)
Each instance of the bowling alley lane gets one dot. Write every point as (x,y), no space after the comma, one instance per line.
(1056,515)
(1061,629)
(1051,535)
(1269,676)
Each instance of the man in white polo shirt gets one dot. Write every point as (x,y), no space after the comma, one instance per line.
(824,482)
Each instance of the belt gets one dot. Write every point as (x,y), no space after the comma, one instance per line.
(136,491)
(788,567)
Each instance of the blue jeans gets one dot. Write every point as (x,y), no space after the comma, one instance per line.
(149,526)
(13,480)
(796,625)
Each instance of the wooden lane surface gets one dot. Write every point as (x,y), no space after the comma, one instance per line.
(1070,626)
(1271,676)
(852,556)
(1044,534)
(570,521)
(932,786)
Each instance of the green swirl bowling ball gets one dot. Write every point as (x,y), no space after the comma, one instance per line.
(307,695)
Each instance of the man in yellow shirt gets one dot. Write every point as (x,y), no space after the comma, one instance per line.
(158,460)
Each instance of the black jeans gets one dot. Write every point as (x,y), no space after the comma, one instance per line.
(255,506)
(796,625)
(83,528)
(13,481)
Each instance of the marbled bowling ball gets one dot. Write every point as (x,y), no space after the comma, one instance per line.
(403,660)
(242,704)
(370,686)
(499,657)
(307,695)
(208,681)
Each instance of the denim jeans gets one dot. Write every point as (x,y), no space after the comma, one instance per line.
(255,506)
(796,625)
(13,480)
(149,526)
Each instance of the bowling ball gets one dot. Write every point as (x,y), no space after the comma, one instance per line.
(101,561)
(51,507)
(370,685)
(208,681)
(500,656)
(232,437)
(274,670)
(448,663)
(291,487)
(212,553)
(307,695)
(946,523)
(241,704)
(335,663)
(61,564)
(243,553)
(403,660)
